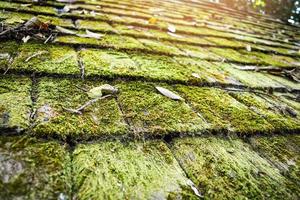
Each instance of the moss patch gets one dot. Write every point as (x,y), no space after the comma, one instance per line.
(135,65)
(148,111)
(33,169)
(112,170)
(94,25)
(162,47)
(15,102)
(271,109)
(282,152)
(108,41)
(230,169)
(224,112)
(101,118)
(8,51)
(41,58)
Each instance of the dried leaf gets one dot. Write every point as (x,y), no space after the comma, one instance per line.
(168,93)
(193,187)
(248,48)
(26,5)
(95,92)
(171,28)
(102,90)
(34,22)
(195,75)
(26,38)
(4,56)
(152,20)
(64,30)
(175,35)
(90,34)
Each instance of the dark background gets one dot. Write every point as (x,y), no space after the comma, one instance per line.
(285,10)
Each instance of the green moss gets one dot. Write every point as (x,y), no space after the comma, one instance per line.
(284,81)
(8,51)
(19,8)
(224,112)
(233,55)
(112,41)
(107,63)
(15,102)
(208,72)
(269,108)
(101,118)
(48,59)
(226,42)
(56,21)
(271,59)
(94,25)
(250,78)
(33,169)
(148,111)
(199,52)
(112,170)
(230,169)
(282,152)
(113,64)
(14,18)
(161,47)
(160,68)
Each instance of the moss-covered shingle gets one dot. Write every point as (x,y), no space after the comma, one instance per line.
(15,102)
(148,111)
(230,169)
(53,120)
(34,169)
(135,170)
(273,110)
(225,112)
(46,58)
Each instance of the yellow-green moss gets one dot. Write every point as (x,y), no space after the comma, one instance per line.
(94,25)
(15,102)
(283,152)
(112,170)
(161,47)
(230,169)
(46,58)
(8,50)
(271,109)
(19,8)
(148,111)
(33,169)
(101,118)
(199,52)
(224,112)
(112,41)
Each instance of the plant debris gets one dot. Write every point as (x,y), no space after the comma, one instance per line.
(101,90)
(88,103)
(292,74)
(168,93)
(171,28)
(33,28)
(96,94)
(90,34)
(35,55)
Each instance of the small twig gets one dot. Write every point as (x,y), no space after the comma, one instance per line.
(88,103)
(81,65)
(83,89)
(72,110)
(47,40)
(63,59)
(35,54)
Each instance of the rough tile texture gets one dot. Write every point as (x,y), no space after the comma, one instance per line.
(237,74)
(33,169)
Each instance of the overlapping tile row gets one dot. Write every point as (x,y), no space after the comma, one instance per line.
(139,110)
(192,168)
